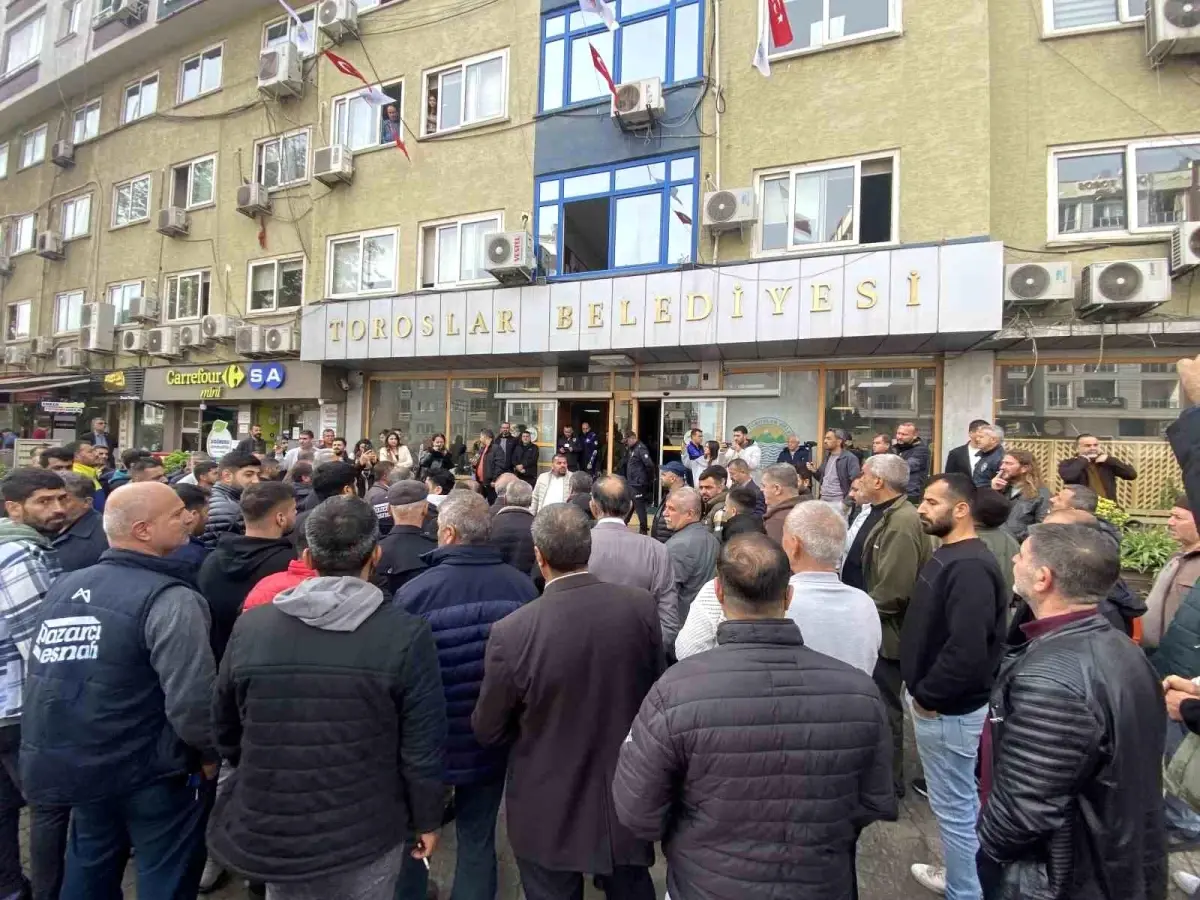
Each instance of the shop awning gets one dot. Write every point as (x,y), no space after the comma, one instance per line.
(41,382)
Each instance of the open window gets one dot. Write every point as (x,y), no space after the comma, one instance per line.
(359,124)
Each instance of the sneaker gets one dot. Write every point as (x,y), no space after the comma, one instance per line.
(930,877)
(1186,882)
(212,878)
(920,788)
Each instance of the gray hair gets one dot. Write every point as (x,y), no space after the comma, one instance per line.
(688,500)
(782,475)
(78,486)
(467,513)
(891,468)
(1085,561)
(579,483)
(994,430)
(518,493)
(342,533)
(820,529)
(399,474)
(561,533)
(1082,497)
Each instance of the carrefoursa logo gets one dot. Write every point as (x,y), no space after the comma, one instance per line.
(210,381)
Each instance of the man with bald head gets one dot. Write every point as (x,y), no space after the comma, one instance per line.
(117,722)
(692,547)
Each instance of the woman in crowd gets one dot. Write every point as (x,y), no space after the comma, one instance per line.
(435,458)
(1021,485)
(365,460)
(394,451)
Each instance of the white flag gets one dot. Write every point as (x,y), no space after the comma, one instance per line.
(375,96)
(761,62)
(600,8)
(304,40)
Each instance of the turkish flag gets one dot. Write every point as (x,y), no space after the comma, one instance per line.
(400,146)
(346,67)
(598,62)
(781,28)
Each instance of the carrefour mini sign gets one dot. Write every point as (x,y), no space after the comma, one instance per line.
(212,382)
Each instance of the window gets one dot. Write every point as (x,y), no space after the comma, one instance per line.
(4,160)
(452,252)
(823,23)
(467,93)
(105,9)
(1125,189)
(359,124)
(276,284)
(23,44)
(141,99)
(283,160)
(846,202)
(283,30)
(1080,15)
(16,320)
(33,147)
(76,216)
(657,38)
(23,233)
(866,405)
(121,296)
(200,74)
(362,263)
(1058,394)
(131,201)
(637,215)
(72,11)
(187,296)
(85,123)
(192,184)
(68,308)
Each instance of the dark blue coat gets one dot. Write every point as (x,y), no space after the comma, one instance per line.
(80,545)
(465,590)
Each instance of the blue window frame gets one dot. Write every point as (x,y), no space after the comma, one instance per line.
(662,38)
(632,216)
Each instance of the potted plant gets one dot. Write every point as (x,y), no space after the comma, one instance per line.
(1144,551)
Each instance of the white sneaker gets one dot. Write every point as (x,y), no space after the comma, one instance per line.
(212,877)
(930,877)
(1186,882)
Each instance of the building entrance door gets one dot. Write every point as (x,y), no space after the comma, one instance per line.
(679,417)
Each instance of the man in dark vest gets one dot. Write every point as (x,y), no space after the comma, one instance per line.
(117,722)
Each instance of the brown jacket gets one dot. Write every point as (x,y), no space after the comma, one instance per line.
(777,515)
(894,553)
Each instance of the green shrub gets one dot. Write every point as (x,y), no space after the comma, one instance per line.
(1112,513)
(1146,550)
(175,460)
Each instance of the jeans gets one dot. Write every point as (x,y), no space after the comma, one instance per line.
(949,746)
(164,821)
(887,678)
(47,830)
(476,807)
(625,883)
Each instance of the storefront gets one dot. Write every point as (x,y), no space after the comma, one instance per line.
(58,408)
(282,397)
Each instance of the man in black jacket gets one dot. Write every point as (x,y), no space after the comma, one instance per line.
(915,452)
(961,459)
(570,445)
(1075,806)
(756,713)
(1093,467)
(950,646)
(524,459)
(512,527)
(639,474)
(407,541)
(238,471)
(329,665)
(332,479)
(253,442)
(82,539)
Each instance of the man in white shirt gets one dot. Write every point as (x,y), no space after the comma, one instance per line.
(551,486)
(306,443)
(744,448)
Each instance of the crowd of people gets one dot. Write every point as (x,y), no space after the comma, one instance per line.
(299,666)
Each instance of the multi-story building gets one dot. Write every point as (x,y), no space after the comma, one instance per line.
(924,212)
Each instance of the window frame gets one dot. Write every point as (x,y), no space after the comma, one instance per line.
(62,215)
(98,104)
(149,200)
(348,97)
(140,84)
(58,299)
(274,261)
(5,151)
(855,162)
(44,129)
(462,65)
(302,11)
(189,165)
(200,56)
(176,277)
(895,28)
(614,193)
(259,151)
(361,237)
(71,16)
(1132,232)
(1124,20)
(435,225)
(122,301)
(15,233)
(37,19)
(669,10)
(8,307)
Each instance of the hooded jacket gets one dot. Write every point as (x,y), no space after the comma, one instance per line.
(273,585)
(326,667)
(224,513)
(231,570)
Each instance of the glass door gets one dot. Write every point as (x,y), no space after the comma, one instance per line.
(679,417)
(540,417)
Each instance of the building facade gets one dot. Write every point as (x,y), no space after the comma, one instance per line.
(885,179)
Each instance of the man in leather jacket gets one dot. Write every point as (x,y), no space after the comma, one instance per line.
(1074,807)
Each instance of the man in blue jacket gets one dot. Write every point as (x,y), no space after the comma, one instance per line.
(467,589)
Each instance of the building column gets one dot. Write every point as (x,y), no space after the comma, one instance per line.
(967,393)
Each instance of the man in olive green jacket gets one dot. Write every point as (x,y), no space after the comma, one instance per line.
(885,563)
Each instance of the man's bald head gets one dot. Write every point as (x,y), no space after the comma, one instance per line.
(146,518)
(611,497)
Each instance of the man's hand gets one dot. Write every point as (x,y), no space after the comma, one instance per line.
(425,845)
(1189,375)
(812,466)
(999,483)
(1177,690)
(1100,458)
(921,711)
(209,770)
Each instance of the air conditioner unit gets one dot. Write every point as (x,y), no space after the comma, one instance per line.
(281,340)
(6,265)
(1122,289)
(279,71)
(133,341)
(730,210)
(338,19)
(253,200)
(248,340)
(129,11)
(173,221)
(70,358)
(164,342)
(41,347)
(1172,29)
(1036,284)
(219,328)
(192,336)
(63,154)
(16,356)
(50,245)
(143,309)
(333,164)
(97,324)
(638,102)
(1185,248)
(509,256)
